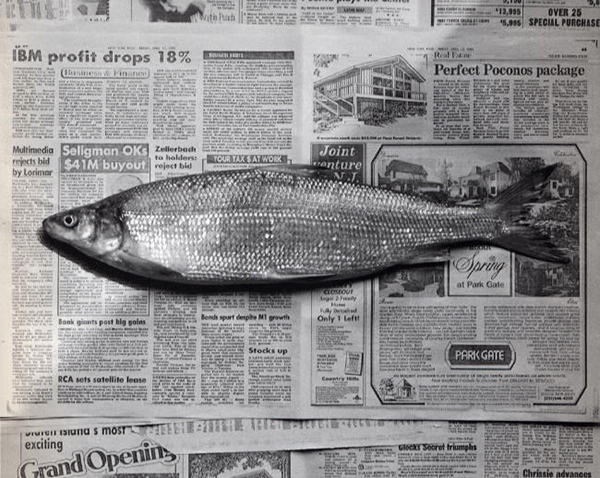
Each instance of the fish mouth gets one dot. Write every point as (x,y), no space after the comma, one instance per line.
(48,226)
(51,227)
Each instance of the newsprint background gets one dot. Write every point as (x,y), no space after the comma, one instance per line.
(452,100)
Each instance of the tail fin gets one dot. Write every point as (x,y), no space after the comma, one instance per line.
(513,205)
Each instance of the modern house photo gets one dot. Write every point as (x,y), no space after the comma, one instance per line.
(372,92)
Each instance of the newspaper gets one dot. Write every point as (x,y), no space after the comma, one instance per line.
(375,13)
(487,334)
(501,15)
(412,449)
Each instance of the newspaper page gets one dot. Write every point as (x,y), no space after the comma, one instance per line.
(131,111)
(459,121)
(373,13)
(572,15)
(281,12)
(52,10)
(213,435)
(484,449)
(425,449)
(486,333)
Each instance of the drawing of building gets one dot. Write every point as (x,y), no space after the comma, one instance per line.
(408,178)
(560,189)
(419,278)
(393,390)
(483,181)
(496,177)
(386,84)
(403,176)
(404,390)
(539,278)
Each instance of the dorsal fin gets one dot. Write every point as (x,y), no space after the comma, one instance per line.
(514,202)
(304,170)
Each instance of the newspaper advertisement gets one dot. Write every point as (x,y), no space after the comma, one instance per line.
(428,449)
(480,330)
(573,15)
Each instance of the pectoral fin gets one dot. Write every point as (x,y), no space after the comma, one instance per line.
(143,267)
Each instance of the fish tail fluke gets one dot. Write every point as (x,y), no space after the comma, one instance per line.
(529,242)
(513,206)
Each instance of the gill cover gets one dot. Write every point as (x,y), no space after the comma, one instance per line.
(94,230)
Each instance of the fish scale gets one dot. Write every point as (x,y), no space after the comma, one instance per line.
(284,223)
(296,225)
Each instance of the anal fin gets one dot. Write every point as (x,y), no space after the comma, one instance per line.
(290,276)
(427,256)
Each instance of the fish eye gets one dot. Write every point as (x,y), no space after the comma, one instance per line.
(69,220)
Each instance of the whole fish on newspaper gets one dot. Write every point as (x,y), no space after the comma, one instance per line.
(287,223)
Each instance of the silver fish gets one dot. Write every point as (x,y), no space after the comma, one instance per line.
(286,223)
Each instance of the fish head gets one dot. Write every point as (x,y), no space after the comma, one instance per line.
(96,231)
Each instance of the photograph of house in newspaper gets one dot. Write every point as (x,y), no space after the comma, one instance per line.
(375,92)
